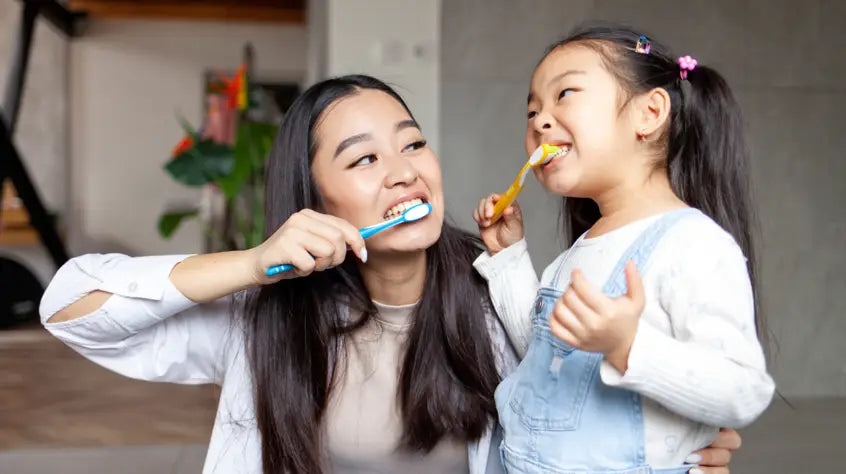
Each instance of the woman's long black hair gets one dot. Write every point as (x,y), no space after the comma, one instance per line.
(448,376)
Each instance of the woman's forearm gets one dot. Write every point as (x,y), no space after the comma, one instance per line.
(207,277)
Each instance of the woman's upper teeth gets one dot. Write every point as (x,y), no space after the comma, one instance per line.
(401,207)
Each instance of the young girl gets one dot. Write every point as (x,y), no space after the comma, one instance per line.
(655,173)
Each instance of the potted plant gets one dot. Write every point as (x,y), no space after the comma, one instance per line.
(226,158)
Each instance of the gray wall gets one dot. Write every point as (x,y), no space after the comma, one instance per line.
(786,64)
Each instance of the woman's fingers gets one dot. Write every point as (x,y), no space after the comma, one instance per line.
(340,232)
(727,438)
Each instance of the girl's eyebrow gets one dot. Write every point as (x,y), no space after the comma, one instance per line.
(563,74)
(556,78)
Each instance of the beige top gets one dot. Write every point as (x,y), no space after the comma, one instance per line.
(363,417)
(150,331)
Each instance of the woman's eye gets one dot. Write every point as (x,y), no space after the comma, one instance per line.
(364,160)
(565,93)
(415,146)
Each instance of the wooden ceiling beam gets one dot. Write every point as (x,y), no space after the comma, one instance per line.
(292,12)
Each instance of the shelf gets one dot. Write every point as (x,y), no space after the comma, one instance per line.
(13,218)
(14,221)
(275,11)
(19,237)
(15,229)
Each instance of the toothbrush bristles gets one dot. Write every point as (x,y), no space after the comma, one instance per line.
(559,150)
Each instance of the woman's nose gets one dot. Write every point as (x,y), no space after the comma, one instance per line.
(400,171)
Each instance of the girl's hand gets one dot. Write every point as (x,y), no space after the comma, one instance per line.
(503,233)
(587,319)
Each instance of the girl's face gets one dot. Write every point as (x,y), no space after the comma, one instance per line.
(575,102)
(372,161)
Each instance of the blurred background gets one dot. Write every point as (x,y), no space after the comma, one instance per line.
(125,130)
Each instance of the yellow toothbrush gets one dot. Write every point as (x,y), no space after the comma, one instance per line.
(542,155)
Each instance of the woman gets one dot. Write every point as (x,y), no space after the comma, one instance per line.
(382,363)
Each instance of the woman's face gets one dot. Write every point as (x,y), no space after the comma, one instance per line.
(372,161)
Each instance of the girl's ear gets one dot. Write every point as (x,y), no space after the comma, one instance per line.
(650,111)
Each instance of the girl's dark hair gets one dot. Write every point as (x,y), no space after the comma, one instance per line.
(703,149)
(294,327)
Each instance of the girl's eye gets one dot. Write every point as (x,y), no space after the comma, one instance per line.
(415,146)
(565,93)
(365,160)
(532,114)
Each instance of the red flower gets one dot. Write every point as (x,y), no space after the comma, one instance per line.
(235,89)
(182,146)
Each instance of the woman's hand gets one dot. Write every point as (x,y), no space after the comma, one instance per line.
(310,241)
(503,233)
(715,458)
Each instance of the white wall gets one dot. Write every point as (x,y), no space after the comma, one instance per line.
(128,82)
(784,60)
(317,24)
(397,41)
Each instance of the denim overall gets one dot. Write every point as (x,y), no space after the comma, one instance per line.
(557,415)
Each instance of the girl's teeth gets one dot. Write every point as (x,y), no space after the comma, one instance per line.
(561,151)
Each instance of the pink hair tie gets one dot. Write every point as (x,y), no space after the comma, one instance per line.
(686,63)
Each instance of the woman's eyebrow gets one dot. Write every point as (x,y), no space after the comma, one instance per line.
(363,137)
(348,142)
(410,123)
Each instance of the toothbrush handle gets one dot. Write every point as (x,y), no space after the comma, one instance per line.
(510,194)
(375,229)
(276,269)
(505,201)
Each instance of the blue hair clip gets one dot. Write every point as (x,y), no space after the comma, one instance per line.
(643,45)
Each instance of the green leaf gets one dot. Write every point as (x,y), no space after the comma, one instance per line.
(252,146)
(189,130)
(203,163)
(264,134)
(169,221)
(257,142)
(257,210)
(255,237)
(232,184)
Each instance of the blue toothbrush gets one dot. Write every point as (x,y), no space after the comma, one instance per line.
(411,214)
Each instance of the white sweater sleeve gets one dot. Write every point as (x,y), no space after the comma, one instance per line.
(513,285)
(147,329)
(712,368)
